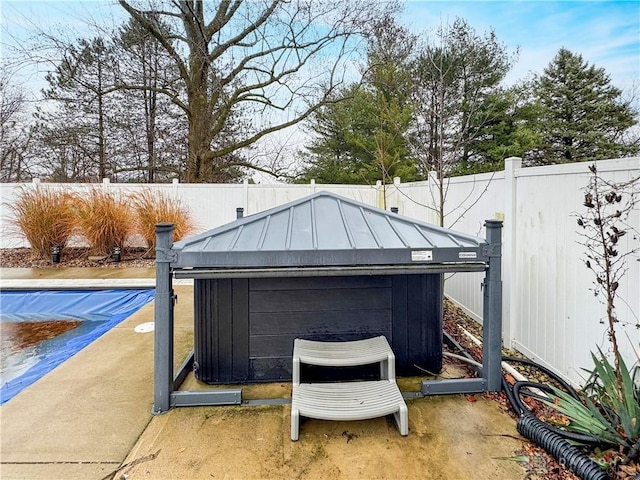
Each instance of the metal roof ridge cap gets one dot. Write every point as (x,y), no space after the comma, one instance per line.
(451,237)
(424,235)
(263,233)
(373,234)
(314,229)
(352,241)
(395,230)
(235,238)
(287,240)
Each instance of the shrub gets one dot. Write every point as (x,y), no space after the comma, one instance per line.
(610,410)
(45,218)
(105,220)
(156,207)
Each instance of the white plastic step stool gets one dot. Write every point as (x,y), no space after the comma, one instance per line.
(357,400)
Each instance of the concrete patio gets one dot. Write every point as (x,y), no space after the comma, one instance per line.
(90,419)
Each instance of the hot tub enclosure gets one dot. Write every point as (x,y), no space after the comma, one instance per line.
(323,268)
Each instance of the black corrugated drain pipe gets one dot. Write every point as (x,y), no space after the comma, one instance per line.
(544,435)
(565,453)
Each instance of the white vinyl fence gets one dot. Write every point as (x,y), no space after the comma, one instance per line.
(549,312)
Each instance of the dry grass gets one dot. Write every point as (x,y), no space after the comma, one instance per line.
(45,218)
(156,207)
(105,220)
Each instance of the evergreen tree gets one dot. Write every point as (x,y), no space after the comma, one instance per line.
(152,129)
(582,116)
(507,130)
(77,133)
(361,136)
(457,78)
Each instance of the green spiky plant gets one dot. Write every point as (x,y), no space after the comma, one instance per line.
(610,412)
(156,207)
(45,217)
(610,407)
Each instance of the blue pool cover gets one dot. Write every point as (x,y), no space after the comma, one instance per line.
(98,311)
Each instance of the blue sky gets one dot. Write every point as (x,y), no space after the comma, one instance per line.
(605,33)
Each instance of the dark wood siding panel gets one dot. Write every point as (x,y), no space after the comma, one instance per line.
(245,334)
(360,308)
(269,369)
(281,345)
(224,308)
(424,324)
(415,316)
(433,329)
(206,330)
(400,340)
(319,300)
(318,283)
(240,347)
(221,330)
(324,322)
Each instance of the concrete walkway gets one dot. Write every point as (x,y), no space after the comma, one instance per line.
(90,419)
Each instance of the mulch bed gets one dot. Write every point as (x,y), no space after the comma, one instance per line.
(538,464)
(74,257)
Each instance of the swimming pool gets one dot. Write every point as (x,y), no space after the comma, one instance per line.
(41,329)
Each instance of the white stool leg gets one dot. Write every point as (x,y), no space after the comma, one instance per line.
(295,423)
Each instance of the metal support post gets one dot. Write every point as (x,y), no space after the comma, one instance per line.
(492,308)
(163,332)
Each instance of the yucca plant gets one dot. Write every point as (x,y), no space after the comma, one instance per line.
(44,217)
(156,207)
(105,220)
(610,412)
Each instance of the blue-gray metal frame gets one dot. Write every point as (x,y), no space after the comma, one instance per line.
(490,379)
(163,331)
(166,384)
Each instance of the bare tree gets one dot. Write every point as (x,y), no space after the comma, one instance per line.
(153,129)
(603,226)
(258,60)
(80,87)
(454,77)
(15,133)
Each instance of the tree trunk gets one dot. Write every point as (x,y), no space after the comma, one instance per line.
(102,153)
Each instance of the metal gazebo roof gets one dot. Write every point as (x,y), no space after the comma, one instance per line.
(325,229)
(323,234)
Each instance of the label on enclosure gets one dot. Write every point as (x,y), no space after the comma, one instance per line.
(421,255)
(467,255)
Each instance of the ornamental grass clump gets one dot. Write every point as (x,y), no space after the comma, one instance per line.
(157,207)
(105,220)
(45,217)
